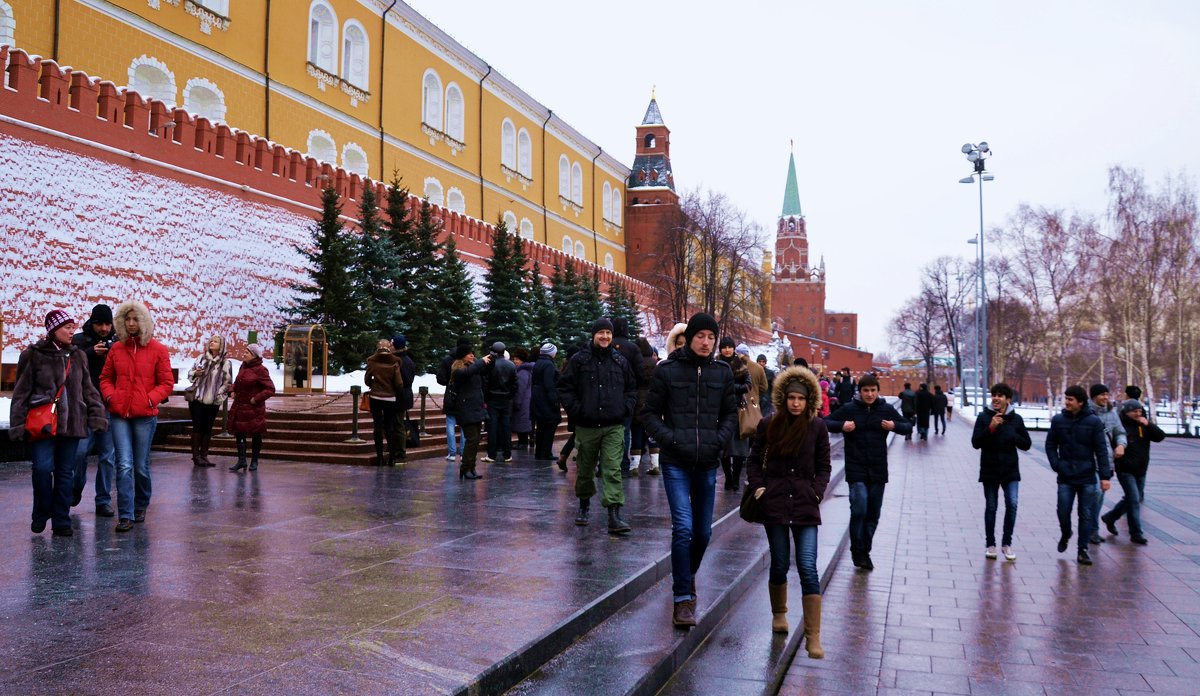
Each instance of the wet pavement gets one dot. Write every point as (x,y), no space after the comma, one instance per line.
(936,617)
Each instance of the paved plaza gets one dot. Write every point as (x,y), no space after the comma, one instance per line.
(310,578)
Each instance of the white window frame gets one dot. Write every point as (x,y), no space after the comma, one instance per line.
(329,156)
(8,24)
(431,99)
(220,7)
(353,49)
(323,36)
(456,201)
(215,113)
(606,200)
(351,152)
(609,261)
(568,246)
(456,113)
(580,250)
(434,192)
(524,154)
(617,210)
(526,228)
(164,93)
(508,144)
(564,177)
(577,184)
(510,221)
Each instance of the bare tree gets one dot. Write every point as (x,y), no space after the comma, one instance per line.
(915,329)
(949,282)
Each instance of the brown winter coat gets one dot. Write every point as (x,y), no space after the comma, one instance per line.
(251,389)
(40,371)
(796,484)
(383,376)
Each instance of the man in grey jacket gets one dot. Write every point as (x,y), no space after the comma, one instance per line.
(1114,432)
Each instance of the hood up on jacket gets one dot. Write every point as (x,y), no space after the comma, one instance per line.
(676,332)
(790,376)
(221,352)
(145,321)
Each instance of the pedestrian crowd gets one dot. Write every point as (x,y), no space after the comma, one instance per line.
(703,406)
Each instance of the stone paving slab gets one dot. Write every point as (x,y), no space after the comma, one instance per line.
(936,617)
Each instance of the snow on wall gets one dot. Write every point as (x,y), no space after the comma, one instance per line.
(79,230)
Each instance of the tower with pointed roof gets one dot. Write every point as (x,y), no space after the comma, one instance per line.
(798,287)
(652,205)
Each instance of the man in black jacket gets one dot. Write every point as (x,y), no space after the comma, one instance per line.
(1077,448)
(404,400)
(691,411)
(500,391)
(543,403)
(95,339)
(633,355)
(865,423)
(598,390)
(1131,468)
(999,433)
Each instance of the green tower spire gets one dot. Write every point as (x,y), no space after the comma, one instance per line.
(791,191)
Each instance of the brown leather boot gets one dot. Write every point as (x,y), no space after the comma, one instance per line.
(196,460)
(779,622)
(812,625)
(205,441)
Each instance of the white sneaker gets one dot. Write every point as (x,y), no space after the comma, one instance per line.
(1008,553)
(991,553)
(451,457)
(488,459)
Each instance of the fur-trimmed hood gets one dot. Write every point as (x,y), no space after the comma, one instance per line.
(796,374)
(145,321)
(676,331)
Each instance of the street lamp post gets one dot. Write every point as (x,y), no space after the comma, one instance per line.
(977,155)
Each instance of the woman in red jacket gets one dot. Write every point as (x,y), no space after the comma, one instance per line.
(789,470)
(248,414)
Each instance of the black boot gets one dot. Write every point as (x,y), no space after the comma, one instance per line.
(205,443)
(196,460)
(241,460)
(616,525)
(738,463)
(256,450)
(581,520)
(727,468)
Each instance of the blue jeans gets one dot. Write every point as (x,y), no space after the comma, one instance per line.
(132,438)
(1134,488)
(1087,502)
(53,469)
(1097,505)
(500,431)
(454,445)
(806,555)
(690,494)
(991,499)
(105,463)
(866,500)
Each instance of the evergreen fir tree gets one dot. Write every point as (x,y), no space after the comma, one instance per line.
(371,271)
(591,304)
(457,314)
(542,313)
(329,297)
(507,315)
(415,247)
(622,303)
(565,292)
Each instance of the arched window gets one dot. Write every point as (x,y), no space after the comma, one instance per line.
(356,56)
(608,261)
(616,205)
(508,144)
(322,36)
(456,202)
(203,98)
(354,159)
(431,100)
(526,229)
(8,24)
(649,140)
(322,147)
(580,250)
(564,177)
(577,183)
(524,154)
(607,201)
(455,117)
(220,7)
(433,191)
(568,245)
(510,222)
(150,78)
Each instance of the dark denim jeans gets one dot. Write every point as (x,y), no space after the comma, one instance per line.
(866,500)
(53,470)
(106,458)
(691,495)
(991,494)
(1134,488)
(1097,506)
(805,539)
(499,431)
(939,419)
(1067,493)
(132,438)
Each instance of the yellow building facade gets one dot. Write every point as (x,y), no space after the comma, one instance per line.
(370,86)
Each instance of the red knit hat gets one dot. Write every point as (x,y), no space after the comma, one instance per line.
(55,319)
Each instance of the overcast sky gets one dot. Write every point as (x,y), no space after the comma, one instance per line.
(878,96)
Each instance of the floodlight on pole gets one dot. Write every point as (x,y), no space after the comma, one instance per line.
(978,155)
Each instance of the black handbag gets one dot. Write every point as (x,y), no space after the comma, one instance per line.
(412,434)
(751,509)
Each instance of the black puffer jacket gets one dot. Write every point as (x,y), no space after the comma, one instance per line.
(998,458)
(627,347)
(543,395)
(1137,449)
(598,387)
(691,409)
(501,381)
(87,340)
(866,446)
(795,483)
(1077,447)
(468,389)
(408,371)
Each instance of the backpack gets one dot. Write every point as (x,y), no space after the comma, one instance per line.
(443,372)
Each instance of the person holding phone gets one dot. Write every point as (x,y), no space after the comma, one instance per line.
(999,433)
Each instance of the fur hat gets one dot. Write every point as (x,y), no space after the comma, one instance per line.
(701,322)
(56,318)
(796,379)
(549,348)
(1097,389)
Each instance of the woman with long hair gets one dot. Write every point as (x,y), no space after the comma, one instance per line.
(788,470)
(212,377)
(734,456)
(385,382)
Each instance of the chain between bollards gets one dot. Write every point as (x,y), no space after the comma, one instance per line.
(355,393)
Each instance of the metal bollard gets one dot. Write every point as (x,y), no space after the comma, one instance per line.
(355,393)
(424,391)
(225,420)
